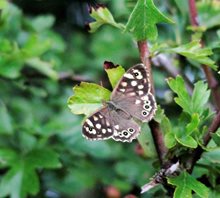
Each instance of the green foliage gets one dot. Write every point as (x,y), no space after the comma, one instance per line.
(185,184)
(194,104)
(87,98)
(42,151)
(143,19)
(102,16)
(194,52)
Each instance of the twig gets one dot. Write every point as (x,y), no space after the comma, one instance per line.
(154,126)
(212,82)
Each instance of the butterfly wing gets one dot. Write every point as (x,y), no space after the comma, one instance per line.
(98,126)
(132,94)
(125,128)
(107,123)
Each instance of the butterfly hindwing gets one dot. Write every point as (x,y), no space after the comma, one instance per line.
(98,126)
(125,128)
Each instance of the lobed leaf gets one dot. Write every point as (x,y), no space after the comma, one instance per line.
(102,16)
(193,51)
(143,19)
(194,104)
(87,98)
(185,184)
(183,99)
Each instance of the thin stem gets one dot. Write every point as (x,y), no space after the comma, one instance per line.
(212,82)
(154,126)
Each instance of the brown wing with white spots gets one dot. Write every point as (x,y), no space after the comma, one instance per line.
(134,82)
(132,94)
(125,128)
(98,126)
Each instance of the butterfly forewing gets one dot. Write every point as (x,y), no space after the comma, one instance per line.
(132,94)
(98,126)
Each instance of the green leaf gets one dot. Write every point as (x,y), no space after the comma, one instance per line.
(187,141)
(193,51)
(7,157)
(185,184)
(45,68)
(200,97)
(102,16)
(42,23)
(5,120)
(194,104)
(87,98)
(146,141)
(170,140)
(183,99)
(43,158)
(193,125)
(19,181)
(143,19)
(212,156)
(209,13)
(3,4)
(216,137)
(115,75)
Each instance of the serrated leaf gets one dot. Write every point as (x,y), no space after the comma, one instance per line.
(87,98)
(183,100)
(102,16)
(187,141)
(143,19)
(193,125)
(194,104)
(200,97)
(193,51)
(19,181)
(115,75)
(185,184)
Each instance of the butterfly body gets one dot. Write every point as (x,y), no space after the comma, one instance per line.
(131,100)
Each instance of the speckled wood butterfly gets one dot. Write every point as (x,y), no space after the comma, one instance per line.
(131,100)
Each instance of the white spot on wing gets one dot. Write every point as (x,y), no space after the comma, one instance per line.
(124,84)
(140,86)
(137,101)
(103,130)
(109,130)
(98,126)
(129,76)
(133,83)
(95,118)
(122,90)
(89,123)
(132,94)
(140,92)
(117,127)
(145,97)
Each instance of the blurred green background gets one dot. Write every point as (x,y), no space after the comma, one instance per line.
(45,50)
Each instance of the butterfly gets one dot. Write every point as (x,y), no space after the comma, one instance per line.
(131,102)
